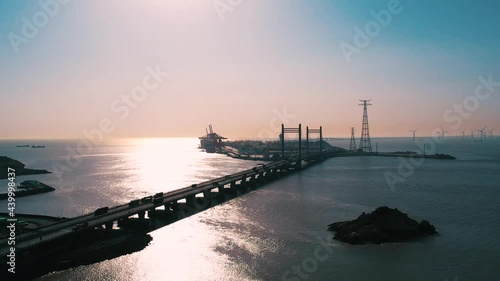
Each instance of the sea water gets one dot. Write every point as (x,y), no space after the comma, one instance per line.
(279,232)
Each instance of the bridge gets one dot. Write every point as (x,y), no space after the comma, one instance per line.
(184,200)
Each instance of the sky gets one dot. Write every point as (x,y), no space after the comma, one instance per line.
(170,68)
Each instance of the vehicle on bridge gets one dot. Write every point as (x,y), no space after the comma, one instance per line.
(159,194)
(80,225)
(101,211)
(134,202)
(147,199)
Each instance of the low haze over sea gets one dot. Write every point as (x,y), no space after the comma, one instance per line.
(265,233)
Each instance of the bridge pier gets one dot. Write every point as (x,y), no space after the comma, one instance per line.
(253,181)
(244,185)
(262,178)
(141,214)
(108,225)
(190,200)
(174,206)
(207,195)
(232,189)
(220,192)
(151,212)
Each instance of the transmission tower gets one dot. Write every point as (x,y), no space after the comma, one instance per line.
(365,143)
(352,147)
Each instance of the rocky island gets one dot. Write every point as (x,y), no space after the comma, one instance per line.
(29,187)
(384,225)
(6,162)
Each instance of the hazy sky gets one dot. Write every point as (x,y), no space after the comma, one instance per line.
(234,64)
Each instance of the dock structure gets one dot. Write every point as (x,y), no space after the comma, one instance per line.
(196,197)
(211,141)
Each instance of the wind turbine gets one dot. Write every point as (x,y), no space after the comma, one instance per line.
(463,134)
(413,131)
(481,132)
(491,133)
(442,132)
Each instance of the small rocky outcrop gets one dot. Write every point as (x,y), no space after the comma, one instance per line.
(384,225)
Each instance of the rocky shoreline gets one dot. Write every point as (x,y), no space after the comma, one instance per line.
(20,170)
(90,247)
(384,225)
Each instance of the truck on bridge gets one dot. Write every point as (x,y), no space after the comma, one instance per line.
(101,211)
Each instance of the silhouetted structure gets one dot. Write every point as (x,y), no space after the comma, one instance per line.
(211,141)
(365,142)
(481,132)
(314,131)
(441,135)
(414,131)
(352,146)
(291,131)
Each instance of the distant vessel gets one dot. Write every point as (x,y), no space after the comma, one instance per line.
(211,141)
(24,145)
(38,146)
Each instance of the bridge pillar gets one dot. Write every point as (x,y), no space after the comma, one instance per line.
(174,206)
(221,193)
(151,212)
(207,194)
(244,183)
(141,214)
(253,180)
(232,188)
(261,177)
(108,225)
(190,200)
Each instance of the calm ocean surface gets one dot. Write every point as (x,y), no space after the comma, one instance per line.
(265,233)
